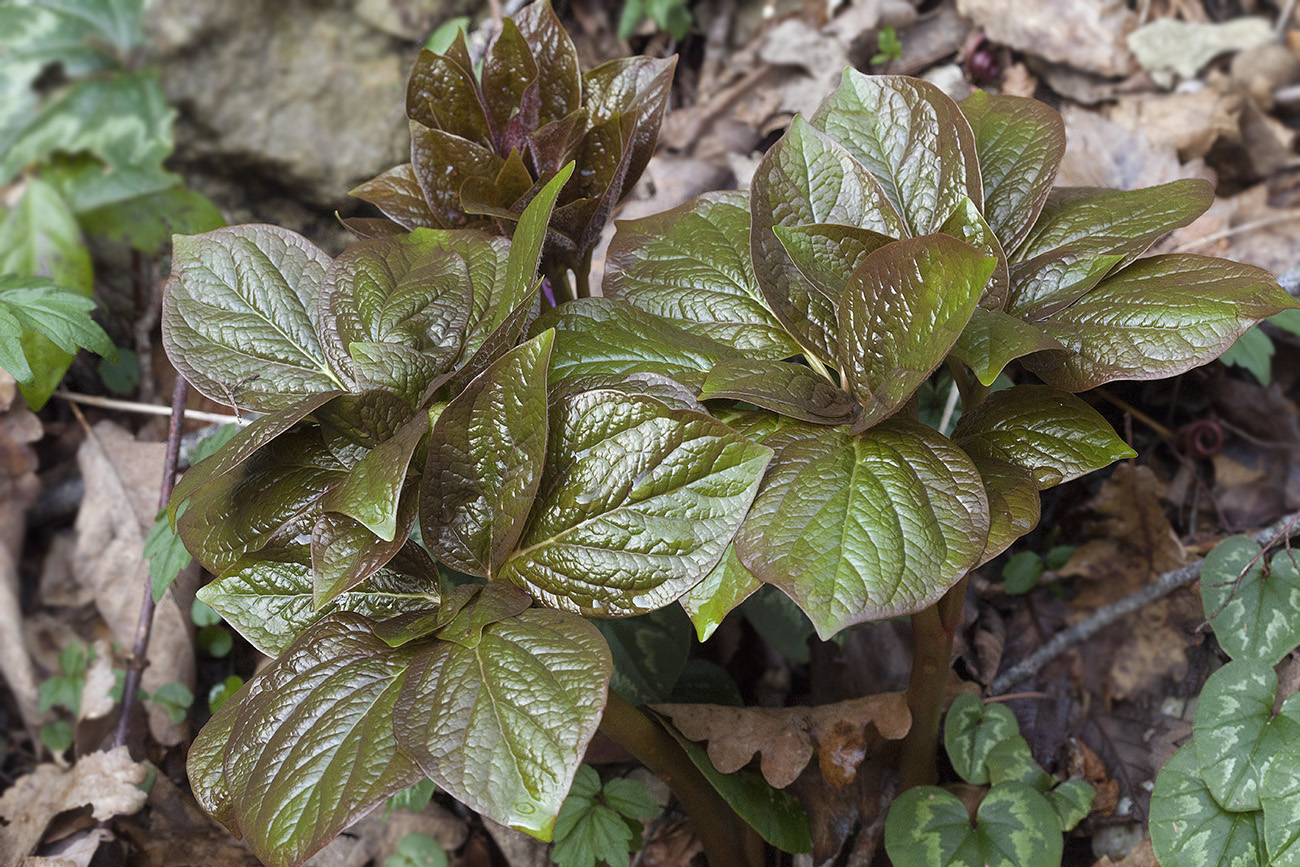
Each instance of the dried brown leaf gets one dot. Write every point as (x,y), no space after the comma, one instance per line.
(1085,34)
(108,782)
(1102,153)
(787,738)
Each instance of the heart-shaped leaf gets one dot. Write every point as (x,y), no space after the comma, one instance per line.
(864,527)
(728,585)
(1020,143)
(902,311)
(240,318)
(1253,614)
(1010,759)
(1158,317)
(637,504)
(267,597)
(970,732)
(1190,829)
(912,138)
(604,337)
(1280,798)
(1237,736)
(692,265)
(485,462)
(503,727)
(793,390)
(312,748)
(807,178)
(1051,433)
(1014,826)
(992,338)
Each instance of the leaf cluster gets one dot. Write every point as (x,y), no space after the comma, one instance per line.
(90,155)
(483,144)
(601,824)
(1019,819)
(1231,794)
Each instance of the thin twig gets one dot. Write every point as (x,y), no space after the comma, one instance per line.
(1285,216)
(148,408)
(144,625)
(1109,614)
(949,408)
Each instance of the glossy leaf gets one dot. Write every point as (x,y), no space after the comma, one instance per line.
(967,224)
(1103,221)
(1014,826)
(1051,433)
(559,79)
(902,311)
(710,601)
(485,462)
(1190,829)
(1020,143)
(442,93)
(970,732)
(789,389)
(438,160)
(1158,317)
(372,489)
(1237,736)
(1280,799)
(1055,280)
(239,317)
(344,553)
(992,338)
(637,504)
(397,193)
(1253,612)
(827,254)
(267,597)
(503,727)
(494,602)
(857,528)
(776,815)
(692,265)
(807,178)
(649,653)
(1014,504)
(312,749)
(603,337)
(205,763)
(526,244)
(912,138)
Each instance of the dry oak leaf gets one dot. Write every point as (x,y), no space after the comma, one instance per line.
(788,737)
(108,782)
(1085,34)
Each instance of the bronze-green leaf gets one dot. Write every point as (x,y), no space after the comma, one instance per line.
(790,389)
(992,338)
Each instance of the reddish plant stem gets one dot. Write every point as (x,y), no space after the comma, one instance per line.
(927,689)
(720,830)
(144,625)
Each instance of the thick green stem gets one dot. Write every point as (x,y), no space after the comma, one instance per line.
(932,633)
(721,830)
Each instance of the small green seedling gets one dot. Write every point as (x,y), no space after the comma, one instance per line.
(1231,795)
(888,46)
(601,824)
(417,850)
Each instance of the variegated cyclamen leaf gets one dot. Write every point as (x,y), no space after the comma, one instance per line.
(485,462)
(807,178)
(1158,317)
(864,527)
(1014,826)
(1237,736)
(992,338)
(692,265)
(502,727)
(277,491)
(1010,759)
(901,313)
(1280,800)
(970,732)
(1049,432)
(1254,613)
(1072,801)
(710,601)
(1190,829)
(1020,143)
(312,748)
(240,317)
(267,597)
(605,337)
(637,504)
(790,389)
(407,292)
(372,489)
(912,137)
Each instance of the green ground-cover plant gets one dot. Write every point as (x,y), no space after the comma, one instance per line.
(87,157)
(445,486)
(1231,794)
(483,144)
(1020,817)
